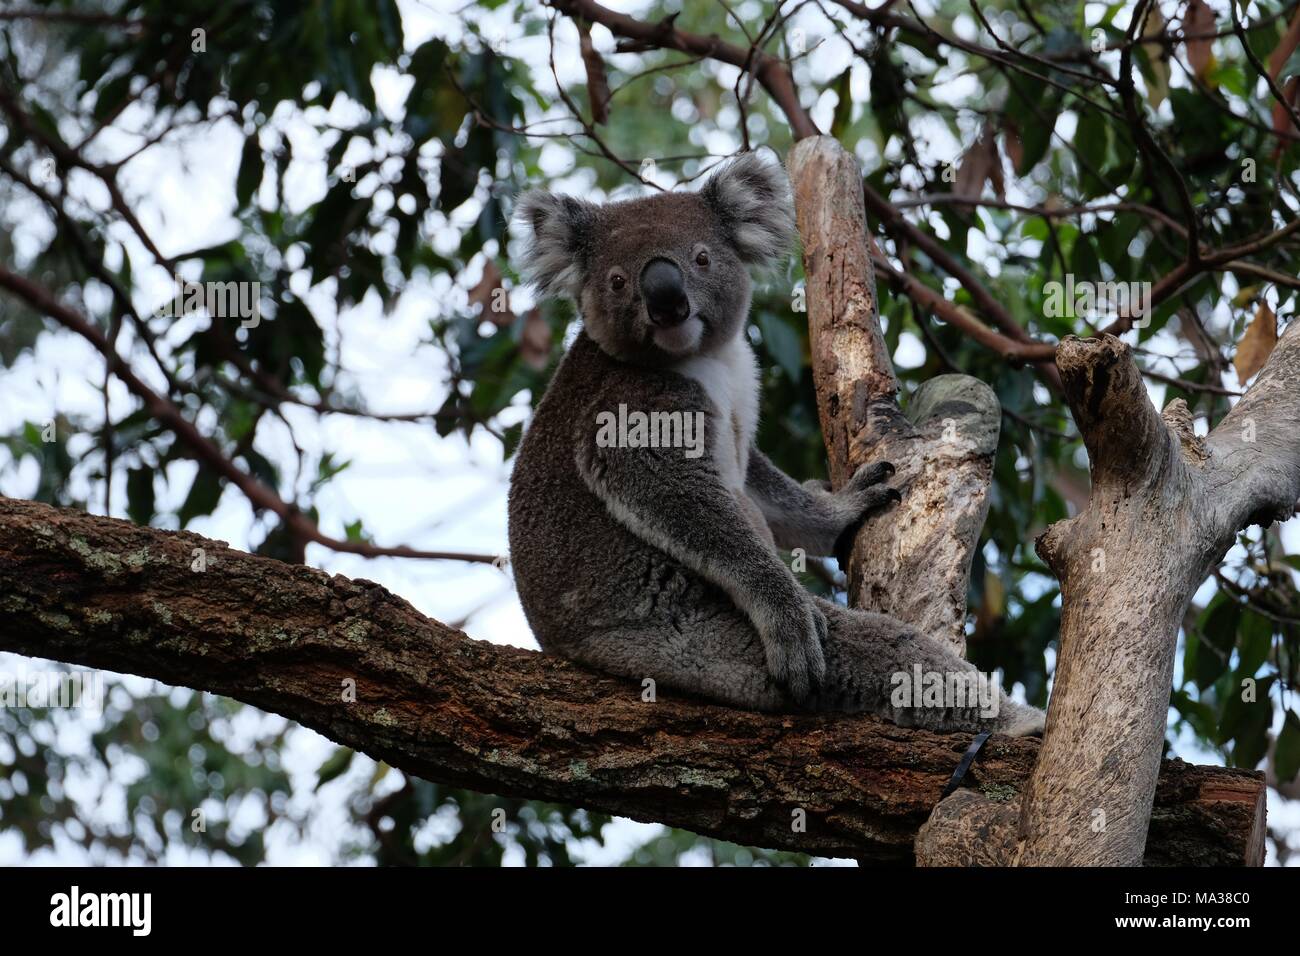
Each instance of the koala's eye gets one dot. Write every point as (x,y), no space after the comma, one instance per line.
(701,258)
(617,281)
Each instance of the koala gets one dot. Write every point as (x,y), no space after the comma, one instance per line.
(656,555)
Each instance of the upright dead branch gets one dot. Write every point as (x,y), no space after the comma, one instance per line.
(1165,507)
(942,447)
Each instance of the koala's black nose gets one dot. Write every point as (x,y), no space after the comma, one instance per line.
(664,289)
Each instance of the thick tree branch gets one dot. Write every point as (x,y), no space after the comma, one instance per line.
(104,593)
(1255,451)
(1123,432)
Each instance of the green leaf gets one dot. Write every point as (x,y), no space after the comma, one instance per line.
(1091,139)
(251,165)
(1116,236)
(1201,716)
(332,219)
(1286,758)
(844,105)
(1084,264)
(262,468)
(335,765)
(1191,656)
(203,497)
(1035,227)
(1242,718)
(457,178)
(1218,628)
(1254,641)
(1250,742)
(140,495)
(782,343)
(111,95)
(512,436)
(326,469)
(1033,108)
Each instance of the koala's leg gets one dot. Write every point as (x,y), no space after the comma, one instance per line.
(718,657)
(864,651)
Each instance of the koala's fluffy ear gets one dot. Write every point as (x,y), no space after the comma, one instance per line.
(560,234)
(751,197)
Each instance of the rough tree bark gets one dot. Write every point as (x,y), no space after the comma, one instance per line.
(943,446)
(105,593)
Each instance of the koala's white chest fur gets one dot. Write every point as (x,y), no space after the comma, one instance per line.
(730,377)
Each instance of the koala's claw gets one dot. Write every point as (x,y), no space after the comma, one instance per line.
(866,501)
(873,474)
(878,498)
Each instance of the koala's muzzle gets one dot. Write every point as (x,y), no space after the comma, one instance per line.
(663,287)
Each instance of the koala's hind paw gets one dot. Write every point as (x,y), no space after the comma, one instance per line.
(1024,721)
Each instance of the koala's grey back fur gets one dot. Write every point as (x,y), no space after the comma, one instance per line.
(646,562)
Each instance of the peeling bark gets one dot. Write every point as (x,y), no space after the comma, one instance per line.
(1165,506)
(105,593)
(943,446)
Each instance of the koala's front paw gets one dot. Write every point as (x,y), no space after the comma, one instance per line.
(792,642)
(864,492)
(856,501)
(872,474)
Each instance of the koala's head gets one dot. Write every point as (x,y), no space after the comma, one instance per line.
(662,277)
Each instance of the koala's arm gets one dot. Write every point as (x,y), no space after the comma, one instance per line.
(808,516)
(679,505)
